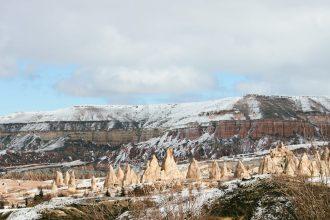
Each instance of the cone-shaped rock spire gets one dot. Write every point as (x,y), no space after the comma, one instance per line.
(94,184)
(67,178)
(241,172)
(290,166)
(152,172)
(266,165)
(59,178)
(304,164)
(169,168)
(111,178)
(224,171)
(214,171)
(120,174)
(130,177)
(193,170)
(54,187)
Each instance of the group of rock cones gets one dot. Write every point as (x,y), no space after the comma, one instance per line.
(282,161)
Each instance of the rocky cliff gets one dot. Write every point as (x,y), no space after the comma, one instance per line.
(132,133)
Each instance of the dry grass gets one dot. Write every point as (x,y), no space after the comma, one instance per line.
(311,200)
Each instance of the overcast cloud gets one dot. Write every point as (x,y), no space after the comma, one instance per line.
(124,48)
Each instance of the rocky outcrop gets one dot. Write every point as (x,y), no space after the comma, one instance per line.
(72,183)
(194,172)
(214,171)
(120,174)
(152,172)
(304,165)
(111,178)
(94,184)
(54,188)
(67,178)
(170,170)
(267,166)
(130,177)
(59,178)
(241,172)
(224,171)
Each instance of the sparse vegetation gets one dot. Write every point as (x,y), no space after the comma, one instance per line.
(280,197)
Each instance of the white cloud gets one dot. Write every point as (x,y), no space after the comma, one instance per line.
(112,82)
(123,48)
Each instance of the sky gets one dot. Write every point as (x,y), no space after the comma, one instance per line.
(60,53)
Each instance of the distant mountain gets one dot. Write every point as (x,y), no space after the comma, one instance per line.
(131,132)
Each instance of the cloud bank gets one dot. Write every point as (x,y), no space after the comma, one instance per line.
(128,48)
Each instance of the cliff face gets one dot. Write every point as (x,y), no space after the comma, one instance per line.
(130,133)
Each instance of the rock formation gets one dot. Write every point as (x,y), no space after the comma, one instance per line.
(290,166)
(194,172)
(241,172)
(67,178)
(120,174)
(59,178)
(169,169)
(304,165)
(93,184)
(130,177)
(326,154)
(214,171)
(152,172)
(72,183)
(224,171)
(54,188)
(314,168)
(111,178)
(267,165)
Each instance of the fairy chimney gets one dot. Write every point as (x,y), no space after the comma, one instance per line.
(54,187)
(67,178)
(72,178)
(325,154)
(169,168)
(290,167)
(120,174)
(314,168)
(241,172)
(324,170)
(59,178)
(214,171)
(266,165)
(224,170)
(153,171)
(111,178)
(72,183)
(303,168)
(130,177)
(193,170)
(93,184)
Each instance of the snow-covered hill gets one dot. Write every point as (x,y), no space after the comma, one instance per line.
(131,133)
(175,115)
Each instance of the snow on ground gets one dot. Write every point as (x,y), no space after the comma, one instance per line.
(42,166)
(34,212)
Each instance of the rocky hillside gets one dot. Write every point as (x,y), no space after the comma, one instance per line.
(121,133)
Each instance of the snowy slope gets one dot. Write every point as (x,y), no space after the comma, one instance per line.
(163,115)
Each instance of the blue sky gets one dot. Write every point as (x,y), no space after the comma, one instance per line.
(37,92)
(55,54)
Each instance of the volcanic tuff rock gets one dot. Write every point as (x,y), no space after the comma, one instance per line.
(152,172)
(111,178)
(126,133)
(241,172)
(193,170)
(169,168)
(214,171)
